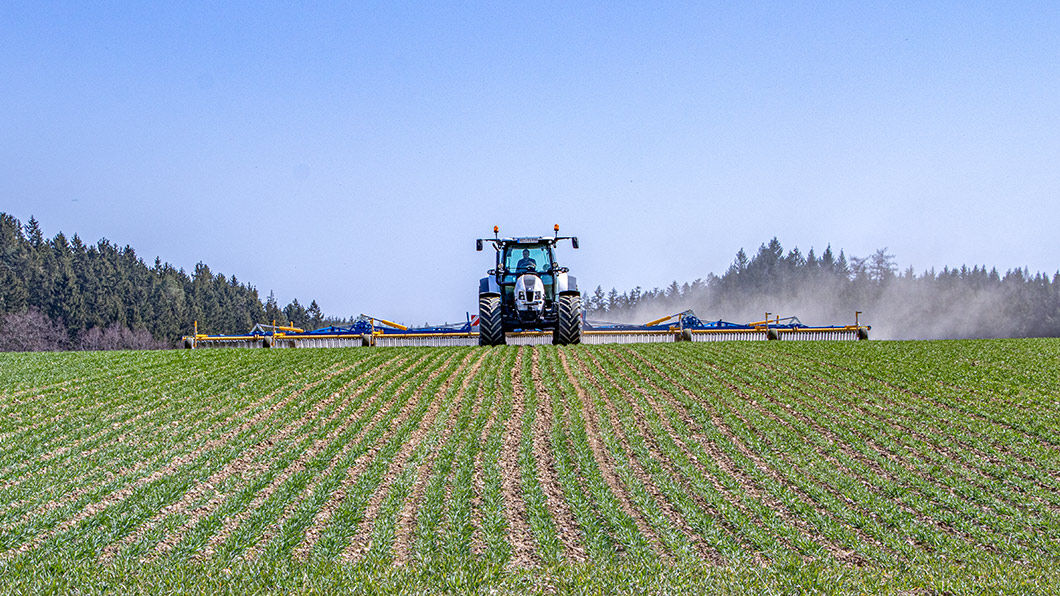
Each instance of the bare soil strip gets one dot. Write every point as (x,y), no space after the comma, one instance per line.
(478,543)
(111,421)
(406,525)
(914,468)
(1002,490)
(112,437)
(675,519)
(728,467)
(839,444)
(41,390)
(1040,441)
(71,388)
(598,530)
(361,463)
(766,468)
(245,465)
(362,540)
(291,507)
(170,468)
(89,482)
(606,464)
(566,526)
(200,436)
(55,469)
(299,464)
(92,481)
(519,536)
(113,370)
(60,489)
(31,436)
(760,464)
(987,480)
(463,480)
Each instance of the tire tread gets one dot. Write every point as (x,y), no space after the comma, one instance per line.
(569,326)
(490,321)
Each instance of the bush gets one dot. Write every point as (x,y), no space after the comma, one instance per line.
(31,331)
(117,337)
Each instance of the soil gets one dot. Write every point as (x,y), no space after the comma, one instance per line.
(566,526)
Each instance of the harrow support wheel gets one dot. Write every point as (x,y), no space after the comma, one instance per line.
(490,321)
(569,327)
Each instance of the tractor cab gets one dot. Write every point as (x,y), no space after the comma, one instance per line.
(518,259)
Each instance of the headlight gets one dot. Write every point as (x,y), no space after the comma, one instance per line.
(522,296)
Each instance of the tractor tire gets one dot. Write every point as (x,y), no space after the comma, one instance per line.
(266,342)
(569,327)
(863,333)
(772,334)
(189,343)
(490,321)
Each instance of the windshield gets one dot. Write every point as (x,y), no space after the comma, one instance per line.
(527,257)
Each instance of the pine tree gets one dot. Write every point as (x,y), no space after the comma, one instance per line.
(673,292)
(65,305)
(314,315)
(273,312)
(598,302)
(13,256)
(613,301)
(296,314)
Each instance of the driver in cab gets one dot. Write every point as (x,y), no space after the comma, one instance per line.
(526,263)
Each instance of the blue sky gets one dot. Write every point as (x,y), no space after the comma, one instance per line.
(351,153)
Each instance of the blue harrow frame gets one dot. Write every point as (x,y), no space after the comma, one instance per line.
(686,326)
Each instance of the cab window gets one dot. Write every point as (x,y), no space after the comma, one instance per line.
(520,259)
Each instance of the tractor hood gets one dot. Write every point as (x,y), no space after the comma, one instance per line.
(529,293)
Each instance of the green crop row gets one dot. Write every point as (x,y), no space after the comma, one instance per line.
(465,462)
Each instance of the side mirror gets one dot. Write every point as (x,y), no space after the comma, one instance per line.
(478,245)
(574,242)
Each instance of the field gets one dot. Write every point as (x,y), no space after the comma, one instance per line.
(892,467)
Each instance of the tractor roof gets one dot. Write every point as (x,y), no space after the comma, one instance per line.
(530,240)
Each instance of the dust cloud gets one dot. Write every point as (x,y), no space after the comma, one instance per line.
(954,304)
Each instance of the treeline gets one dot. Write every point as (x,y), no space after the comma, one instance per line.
(61,293)
(828,288)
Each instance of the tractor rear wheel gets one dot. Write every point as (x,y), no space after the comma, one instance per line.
(490,321)
(569,326)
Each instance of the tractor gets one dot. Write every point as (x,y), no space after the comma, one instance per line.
(528,290)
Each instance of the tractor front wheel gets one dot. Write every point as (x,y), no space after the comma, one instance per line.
(490,321)
(569,326)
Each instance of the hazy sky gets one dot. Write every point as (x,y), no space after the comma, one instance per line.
(352,154)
